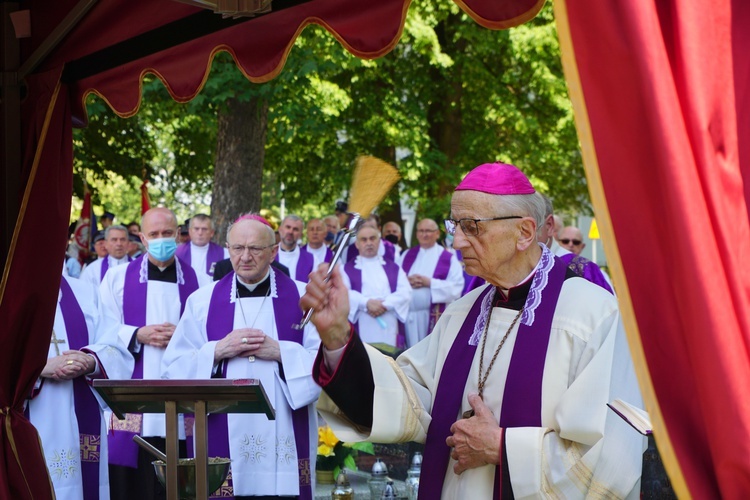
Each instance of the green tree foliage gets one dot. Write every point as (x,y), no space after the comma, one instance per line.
(450,96)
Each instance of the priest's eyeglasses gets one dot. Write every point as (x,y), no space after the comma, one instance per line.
(254,251)
(470,227)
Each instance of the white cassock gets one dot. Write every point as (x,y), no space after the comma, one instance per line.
(93,272)
(440,291)
(198,257)
(163,306)
(264,457)
(289,259)
(52,410)
(582,448)
(375,285)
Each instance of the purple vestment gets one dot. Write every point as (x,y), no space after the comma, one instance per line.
(391,271)
(122,449)
(522,399)
(219,323)
(587,269)
(215,254)
(442,268)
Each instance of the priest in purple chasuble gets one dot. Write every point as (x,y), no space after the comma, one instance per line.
(242,327)
(436,278)
(63,407)
(200,252)
(116,243)
(298,260)
(379,293)
(143,302)
(315,246)
(531,359)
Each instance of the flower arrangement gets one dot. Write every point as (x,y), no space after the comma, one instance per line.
(333,454)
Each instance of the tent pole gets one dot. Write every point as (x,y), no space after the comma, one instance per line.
(55,37)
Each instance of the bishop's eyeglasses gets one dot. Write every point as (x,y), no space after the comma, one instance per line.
(254,251)
(470,227)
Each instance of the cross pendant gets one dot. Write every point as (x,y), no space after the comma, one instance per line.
(55,342)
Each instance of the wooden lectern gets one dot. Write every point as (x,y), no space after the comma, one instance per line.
(171,397)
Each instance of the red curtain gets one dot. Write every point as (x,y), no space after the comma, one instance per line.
(31,280)
(658,88)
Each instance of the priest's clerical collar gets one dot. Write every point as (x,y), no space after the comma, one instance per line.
(513,298)
(168,274)
(259,289)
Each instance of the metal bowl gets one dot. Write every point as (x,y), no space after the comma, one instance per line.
(218,469)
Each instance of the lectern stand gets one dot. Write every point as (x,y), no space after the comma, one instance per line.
(171,397)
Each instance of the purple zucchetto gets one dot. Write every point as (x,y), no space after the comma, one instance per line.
(254,217)
(496,178)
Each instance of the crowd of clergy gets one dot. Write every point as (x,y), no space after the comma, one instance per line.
(161,300)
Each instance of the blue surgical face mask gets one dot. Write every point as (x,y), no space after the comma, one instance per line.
(162,249)
(449,240)
(330,236)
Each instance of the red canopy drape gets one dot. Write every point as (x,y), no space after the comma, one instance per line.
(31,277)
(660,91)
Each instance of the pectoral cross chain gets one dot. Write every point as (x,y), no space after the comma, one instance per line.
(57,341)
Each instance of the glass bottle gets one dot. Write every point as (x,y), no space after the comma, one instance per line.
(342,490)
(412,476)
(378,478)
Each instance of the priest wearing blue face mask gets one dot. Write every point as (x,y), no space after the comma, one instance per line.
(143,301)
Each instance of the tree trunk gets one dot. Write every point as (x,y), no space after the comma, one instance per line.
(240,149)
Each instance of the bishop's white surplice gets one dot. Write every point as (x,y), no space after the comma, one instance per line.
(581,447)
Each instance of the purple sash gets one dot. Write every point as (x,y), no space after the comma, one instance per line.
(442,268)
(391,272)
(219,323)
(87,408)
(105,267)
(328,257)
(389,252)
(305,264)
(214,254)
(122,449)
(522,399)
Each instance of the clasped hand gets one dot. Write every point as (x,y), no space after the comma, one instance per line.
(156,335)
(475,441)
(69,365)
(247,342)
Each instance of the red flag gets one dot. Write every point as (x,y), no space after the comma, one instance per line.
(82,235)
(145,202)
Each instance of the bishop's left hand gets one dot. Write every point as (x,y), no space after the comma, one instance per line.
(476,440)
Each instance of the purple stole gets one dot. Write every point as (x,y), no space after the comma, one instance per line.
(586,269)
(105,267)
(304,265)
(215,254)
(219,323)
(522,399)
(441,272)
(389,254)
(122,449)
(327,258)
(391,272)
(86,407)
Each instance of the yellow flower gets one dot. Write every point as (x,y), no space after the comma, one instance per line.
(325,451)
(327,437)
